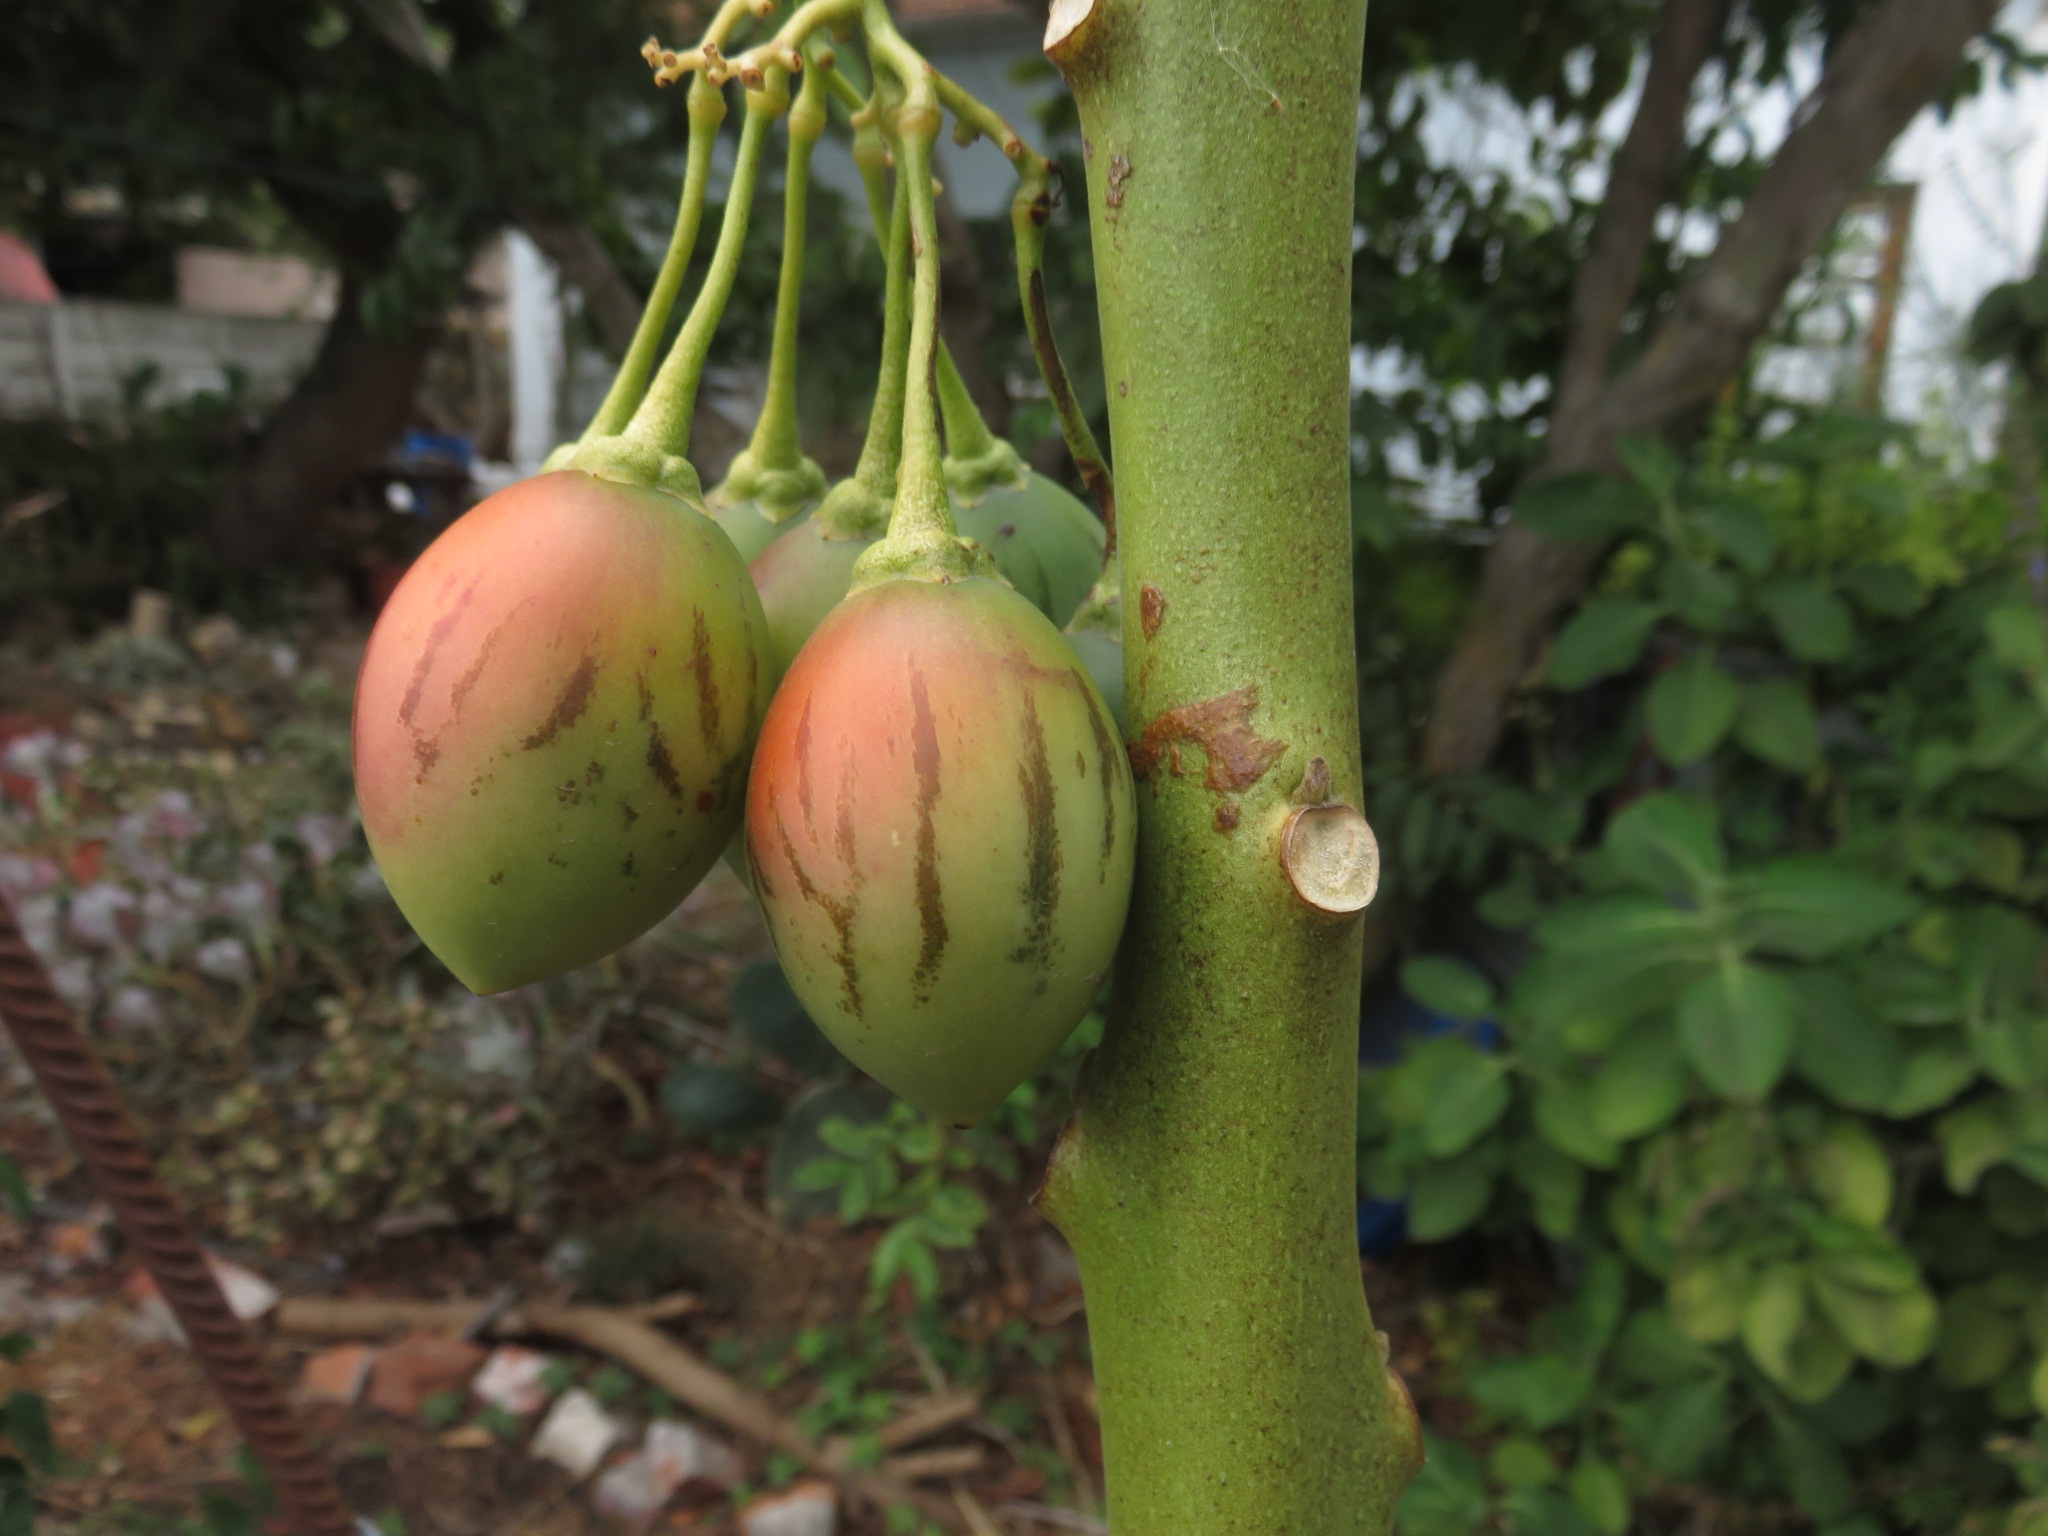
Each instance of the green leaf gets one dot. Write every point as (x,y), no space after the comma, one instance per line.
(1640,1085)
(26,1422)
(1885,1322)
(1521,1462)
(1889,591)
(1738,1024)
(1851,1174)
(1811,908)
(1602,1496)
(1667,843)
(1777,725)
(1554,1183)
(1977,1341)
(1468,1103)
(1448,1197)
(1705,1296)
(1929,1078)
(1651,462)
(1772,1317)
(1744,532)
(1844,1049)
(1815,624)
(1448,1496)
(1974,1138)
(1704,596)
(2017,637)
(1684,1424)
(1564,1117)
(1604,637)
(14,1189)
(1536,1391)
(1448,986)
(1692,707)
(1542,1512)
(1582,508)
(706,1100)
(1814,1470)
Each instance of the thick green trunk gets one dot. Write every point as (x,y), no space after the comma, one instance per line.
(1206,1182)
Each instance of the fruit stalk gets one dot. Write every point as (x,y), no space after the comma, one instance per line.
(1206,1180)
(775,444)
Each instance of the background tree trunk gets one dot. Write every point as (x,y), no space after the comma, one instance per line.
(338,420)
(1206,1180)
(1876,81)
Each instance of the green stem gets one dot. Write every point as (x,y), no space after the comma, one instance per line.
(967,435)
(662,421)
(1030,211)
(1206,1180)
(629,384)
(776,445)
(921,524)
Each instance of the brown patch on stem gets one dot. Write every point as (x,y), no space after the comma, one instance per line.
(1151,609)
(1222,727)
(570,704)
(931,904)
(1228,816)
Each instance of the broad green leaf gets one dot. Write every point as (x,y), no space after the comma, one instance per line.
(1604,637)
(1564,1117)
(1814,1469)
(1667,843)
(1811,908)
(1974,1138)
(1978,1339)
(1641,1084)
(1776,723)
(1583,1327)
(1543,1512)
(1815,624)
(1449,986)
(1554,1183)
(2017,637)
(1468,1104)
(25,1421)
(1905,989)
(1883,1322)
(1522,1462)
(1692,707)
(1705,1296)
(1743,530)
(1602,1496)
(1429,1073)
(1772,1316)
(1651,1351)
(1448,1496)
(1703,596)
(1889,591)
(1929,1078)
(1651,463)
(1844,1049)
(1535,1391)
(1637,929)
(1738,1025)
(1851,1173)
(1583,507)
(1448,1197)
(1685,1424)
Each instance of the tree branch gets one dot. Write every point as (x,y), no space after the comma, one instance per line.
(1638,184)
(1880,76)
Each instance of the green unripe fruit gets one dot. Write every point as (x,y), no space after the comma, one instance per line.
(756,506)
(801,578)
(1045,542)
(1102,653)
(941,827)
(553,723)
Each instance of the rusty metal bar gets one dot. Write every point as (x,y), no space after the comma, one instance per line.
(90,1109)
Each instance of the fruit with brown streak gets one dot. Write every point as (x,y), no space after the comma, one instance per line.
(553,723)
(941,829)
